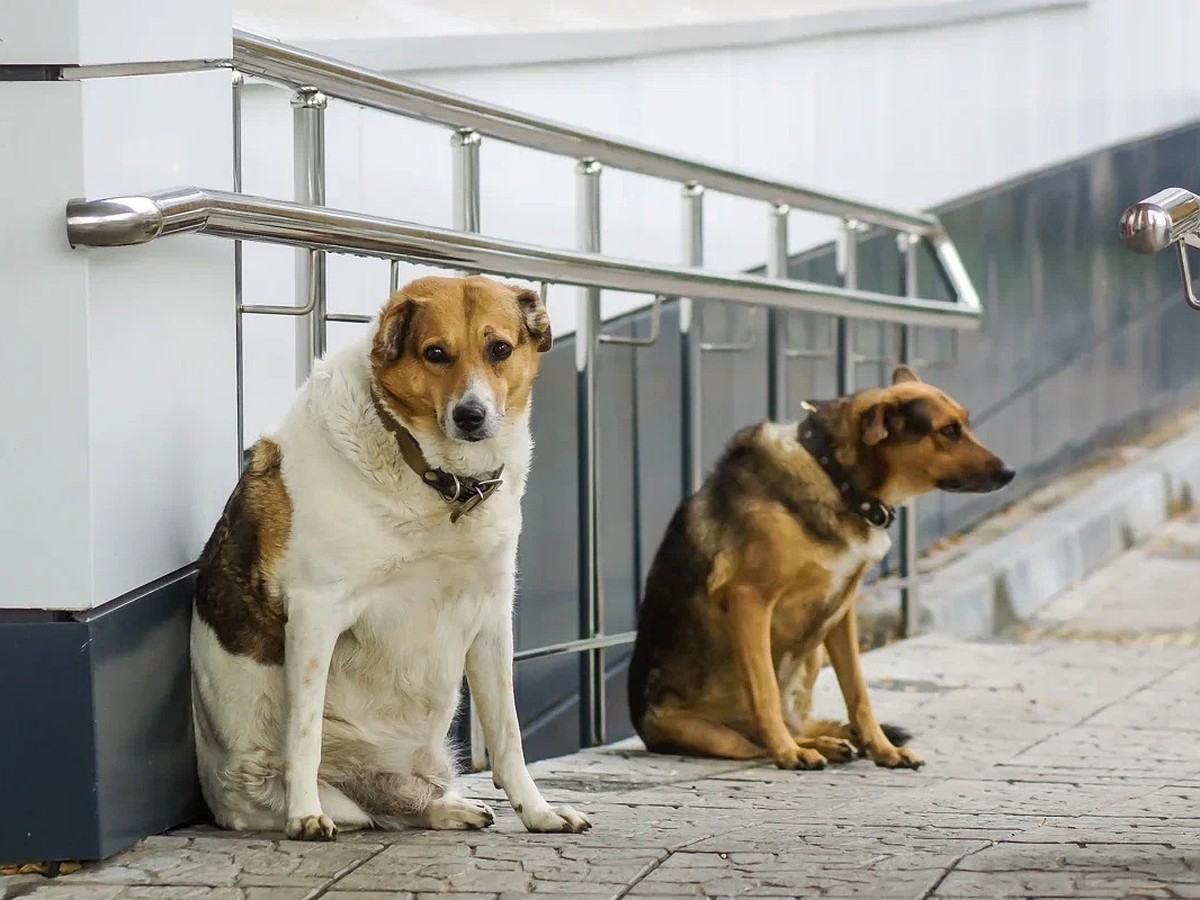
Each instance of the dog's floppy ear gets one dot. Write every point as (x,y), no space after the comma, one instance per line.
(875,429)
(537,320)
(394,331)
(903,374)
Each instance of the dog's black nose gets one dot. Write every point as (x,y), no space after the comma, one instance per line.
(1004,475)
(469,415)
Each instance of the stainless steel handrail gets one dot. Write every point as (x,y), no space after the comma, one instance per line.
(121,221)
(295,67)
(1169,218)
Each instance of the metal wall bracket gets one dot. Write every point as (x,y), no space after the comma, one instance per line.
(655,329)
(748,342)
(1185,272)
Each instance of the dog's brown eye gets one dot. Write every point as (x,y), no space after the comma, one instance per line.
(436,354)
(952,432)
(500,351)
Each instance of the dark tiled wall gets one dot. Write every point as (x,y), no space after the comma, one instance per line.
(1081,338)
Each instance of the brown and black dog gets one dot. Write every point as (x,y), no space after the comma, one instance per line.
(759,570)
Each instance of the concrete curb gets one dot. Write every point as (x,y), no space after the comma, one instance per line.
(1008,581)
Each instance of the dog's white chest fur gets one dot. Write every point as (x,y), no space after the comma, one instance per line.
(858,553)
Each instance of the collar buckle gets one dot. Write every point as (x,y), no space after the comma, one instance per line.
(475,493)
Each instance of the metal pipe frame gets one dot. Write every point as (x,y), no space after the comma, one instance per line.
(295,67)
(592,720)
(691,409)
(308,129)
(122,221)
(315,230)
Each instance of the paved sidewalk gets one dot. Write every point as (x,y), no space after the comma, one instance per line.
(1055,768)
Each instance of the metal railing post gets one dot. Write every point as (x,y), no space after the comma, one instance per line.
(777,348)
(587,341)
(464,145)
(909,246)
(464,163)
(847,361)
(239,82)
(690,339)
(308,133)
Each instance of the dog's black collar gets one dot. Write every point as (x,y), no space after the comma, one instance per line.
(461,492)
(817,440)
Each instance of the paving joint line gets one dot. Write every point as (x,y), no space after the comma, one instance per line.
(933,888)
(338,876)
(652,866)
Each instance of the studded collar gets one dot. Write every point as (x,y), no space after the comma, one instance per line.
(818,441)
(461,492)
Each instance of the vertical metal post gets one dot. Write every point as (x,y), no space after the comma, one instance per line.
(847,358)
(777,267)
(239,82)
(308,134)
(691,408)
(909,246)
(464,161)
(587,340)
(464,145)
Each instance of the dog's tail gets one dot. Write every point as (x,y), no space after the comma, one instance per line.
(829,728)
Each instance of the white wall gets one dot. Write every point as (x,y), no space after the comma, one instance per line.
(117,448)
(907,112)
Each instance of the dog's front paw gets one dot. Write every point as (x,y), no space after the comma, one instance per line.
(800,758)
(835,750)
(312,828)
(896,757)
(458,814)
(555,818)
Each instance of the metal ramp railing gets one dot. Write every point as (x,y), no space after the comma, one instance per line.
(316,230)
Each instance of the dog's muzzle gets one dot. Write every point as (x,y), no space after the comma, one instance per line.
(998,479)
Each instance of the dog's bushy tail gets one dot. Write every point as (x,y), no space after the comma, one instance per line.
(829,728)
(897,734)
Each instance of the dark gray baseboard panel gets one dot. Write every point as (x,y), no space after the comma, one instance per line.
(96,746)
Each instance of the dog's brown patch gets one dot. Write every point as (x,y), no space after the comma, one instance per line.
(436,335)
(752,580)
(235,595)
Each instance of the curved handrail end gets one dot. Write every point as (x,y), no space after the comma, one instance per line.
(1157,222)
(115,222)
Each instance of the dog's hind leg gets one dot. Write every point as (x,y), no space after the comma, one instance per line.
(831,739)
(393,800)
(686,733)
(346,814)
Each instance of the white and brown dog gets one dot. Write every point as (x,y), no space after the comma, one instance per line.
(366,556)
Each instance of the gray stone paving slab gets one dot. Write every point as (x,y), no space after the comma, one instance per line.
(1057,767)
